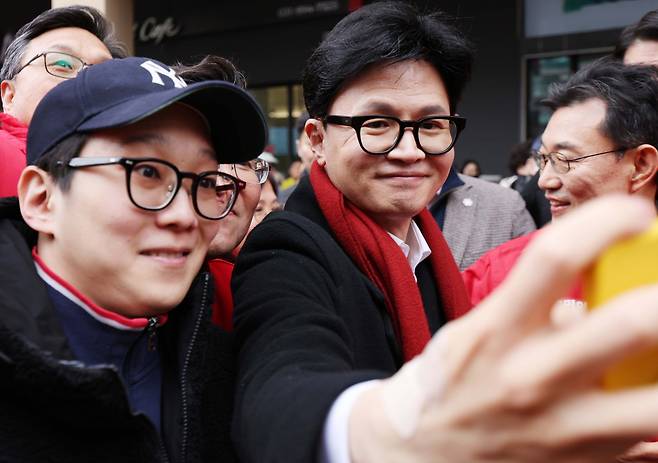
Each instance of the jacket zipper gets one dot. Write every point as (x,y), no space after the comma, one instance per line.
(152,345)
(151,333)
(163,450)
(188,355)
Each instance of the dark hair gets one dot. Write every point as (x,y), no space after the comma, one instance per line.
(519,155)
(385,33)
(55,161)
(630,93)
(470,161)
(645,29)
(83,17)
(211,67)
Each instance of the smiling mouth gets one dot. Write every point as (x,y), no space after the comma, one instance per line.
(166,254)
(403,175)
(557,205)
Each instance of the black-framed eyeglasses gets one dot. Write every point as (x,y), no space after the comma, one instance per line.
(562,163)
(434,135)
(240,183)
(58,64)
(254,171)
(152,184)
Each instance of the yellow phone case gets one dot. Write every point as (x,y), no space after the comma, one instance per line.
(624,266)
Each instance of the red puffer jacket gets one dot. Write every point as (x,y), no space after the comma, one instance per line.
(13,136)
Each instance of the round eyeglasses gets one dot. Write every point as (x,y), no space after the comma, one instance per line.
(254,171)
(152,185)
(561,163)
(381,134)
(58,64)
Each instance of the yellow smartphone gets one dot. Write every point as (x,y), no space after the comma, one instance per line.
(624,266)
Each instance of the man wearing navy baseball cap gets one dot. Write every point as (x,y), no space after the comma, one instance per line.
(106,350)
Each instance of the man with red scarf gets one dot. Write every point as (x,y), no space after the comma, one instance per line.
(337,298)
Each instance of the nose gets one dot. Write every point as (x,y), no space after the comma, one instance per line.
(180,212)
(406,150)
(549,179)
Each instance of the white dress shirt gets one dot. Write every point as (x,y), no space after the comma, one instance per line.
(335,437)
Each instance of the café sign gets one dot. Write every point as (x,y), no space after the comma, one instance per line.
(151,30)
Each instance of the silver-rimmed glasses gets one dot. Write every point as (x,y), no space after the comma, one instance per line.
(58,64)
(561,163)
(254,171)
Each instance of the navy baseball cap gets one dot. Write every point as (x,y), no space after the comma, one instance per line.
(120,92)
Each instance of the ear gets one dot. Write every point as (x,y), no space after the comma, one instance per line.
(314,129)
(7,93)
(645,167)
(35,195)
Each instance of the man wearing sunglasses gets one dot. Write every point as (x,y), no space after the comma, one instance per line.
(106,349)
(51,48)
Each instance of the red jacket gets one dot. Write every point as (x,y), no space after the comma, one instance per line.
(222,305)
(13,136)
(492,268)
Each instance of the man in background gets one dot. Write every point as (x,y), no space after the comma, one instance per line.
(250,176)
(638,43)
(601,138)
(51,48)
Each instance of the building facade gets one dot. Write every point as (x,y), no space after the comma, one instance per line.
(522,47)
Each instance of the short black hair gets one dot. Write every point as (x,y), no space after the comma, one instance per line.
(645,29)
(211,67)
(55,161)
(630,93)
(83,17)
(380,33)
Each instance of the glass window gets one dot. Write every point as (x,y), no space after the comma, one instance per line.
(274,101)
(282,105)
(542,72)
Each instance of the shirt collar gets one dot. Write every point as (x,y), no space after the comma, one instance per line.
(100,314)
(415,248)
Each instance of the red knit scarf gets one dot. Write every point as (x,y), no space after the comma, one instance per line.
(384,263)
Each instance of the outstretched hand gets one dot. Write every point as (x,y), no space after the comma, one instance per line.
(505,384)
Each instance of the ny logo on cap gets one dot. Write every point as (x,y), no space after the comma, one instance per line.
(156,71)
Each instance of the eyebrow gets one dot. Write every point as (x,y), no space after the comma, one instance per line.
(565,145)
(60,47)
(158,139)
(153,138)
(385,108)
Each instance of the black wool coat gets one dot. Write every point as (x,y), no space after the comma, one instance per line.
(55,409)
(308,325)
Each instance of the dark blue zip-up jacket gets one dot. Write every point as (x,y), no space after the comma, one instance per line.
(57,408)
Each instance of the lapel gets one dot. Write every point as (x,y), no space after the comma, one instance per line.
(459,219)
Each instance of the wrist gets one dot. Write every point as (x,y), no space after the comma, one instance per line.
(371,435)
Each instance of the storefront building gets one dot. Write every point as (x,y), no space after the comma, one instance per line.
(522,47)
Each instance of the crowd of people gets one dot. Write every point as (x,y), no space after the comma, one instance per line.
(156,305)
